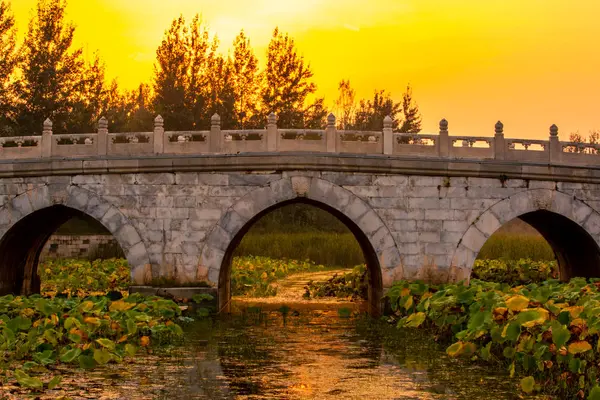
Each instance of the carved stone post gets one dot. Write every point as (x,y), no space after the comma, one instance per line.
(215,134)
(554,144)
(272,137)
(102,137)
(499,144)
(444,140)
(331,134)
(388,135)
(159,135)
(46,141)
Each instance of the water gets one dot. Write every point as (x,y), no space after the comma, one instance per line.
(309,354)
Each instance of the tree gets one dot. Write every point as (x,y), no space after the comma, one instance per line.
(287,81)
(171,78)
(90,102)
(198,45)
(245,83)
(219,87)
(410,111)
(576,137)
(8,62)
(345,105)
(50,70)
(370,113)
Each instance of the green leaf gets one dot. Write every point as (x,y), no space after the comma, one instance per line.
(102,356)
(131,327)
(594,393)
(86,361)
(70,355)
(560,334)
(28,381)
(107,343)
(527,384)
(130,350)
(54,382)
(415,320)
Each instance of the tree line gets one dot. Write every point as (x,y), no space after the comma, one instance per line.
(46,76)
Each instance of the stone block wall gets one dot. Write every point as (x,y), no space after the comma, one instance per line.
(79,246)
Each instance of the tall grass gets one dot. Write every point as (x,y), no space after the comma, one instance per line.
(322,248)
(510,246)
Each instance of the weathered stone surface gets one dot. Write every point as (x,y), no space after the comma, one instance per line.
(180,224)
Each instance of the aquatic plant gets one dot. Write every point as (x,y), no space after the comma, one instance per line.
(37,332)
(352,285)
(548,332)
(256,276)
(514,272)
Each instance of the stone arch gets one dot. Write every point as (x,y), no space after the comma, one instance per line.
(49,206)
(373,235)
(571,227)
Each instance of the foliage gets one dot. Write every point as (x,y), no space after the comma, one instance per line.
(353,285)
(345,105)
(411,121)
(514,272)
(322,248)
(37,333)
(287,85)
(513,246)
(245,84)
(50,70)
(80,278)
(547,331)
(8,63)
(255,276)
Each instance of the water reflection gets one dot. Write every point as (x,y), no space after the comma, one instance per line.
(313,354)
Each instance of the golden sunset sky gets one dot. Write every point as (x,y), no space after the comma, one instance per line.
(529,63)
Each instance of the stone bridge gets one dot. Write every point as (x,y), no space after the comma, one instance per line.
(421,206)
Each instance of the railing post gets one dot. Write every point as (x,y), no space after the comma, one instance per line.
(330,134)
(102,137)
(499,145)
(444,144)
(215,134)
(554,144)
(159,135)
(272,139)
(388,135)
(46,141)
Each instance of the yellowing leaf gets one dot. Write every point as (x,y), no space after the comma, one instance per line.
(404,292)
(579,347)
(527,384)
(517,303)
(144,341)
(120,305)
(574,311)
(538,316)
(92,320)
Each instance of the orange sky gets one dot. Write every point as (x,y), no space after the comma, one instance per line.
(529,63)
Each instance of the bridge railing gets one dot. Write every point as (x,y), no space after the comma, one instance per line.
(273,139)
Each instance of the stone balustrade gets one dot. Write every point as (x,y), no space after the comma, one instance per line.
(273,139)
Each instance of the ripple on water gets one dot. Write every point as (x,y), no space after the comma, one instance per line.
(314,355)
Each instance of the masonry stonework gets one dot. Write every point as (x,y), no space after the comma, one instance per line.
(179,225)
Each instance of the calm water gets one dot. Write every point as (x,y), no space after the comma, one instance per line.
(313,354)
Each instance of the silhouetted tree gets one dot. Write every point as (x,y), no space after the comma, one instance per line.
(50,70)
(345,105)
(287,82)
(370,113)
(245,83)
(8,62)
(90,101)
(411,122)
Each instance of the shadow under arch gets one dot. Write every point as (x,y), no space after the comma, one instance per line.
(21,246)
(375,288)
(30,218)
(571,228)
(576,252)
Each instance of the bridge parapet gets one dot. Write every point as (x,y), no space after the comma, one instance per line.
(274,139)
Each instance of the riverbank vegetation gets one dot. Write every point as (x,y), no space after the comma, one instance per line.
(546,333)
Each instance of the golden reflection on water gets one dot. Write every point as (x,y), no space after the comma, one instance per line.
(309,354)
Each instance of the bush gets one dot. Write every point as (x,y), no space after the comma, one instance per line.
(512,246)
(332,249)
(353,285)
(514,272)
